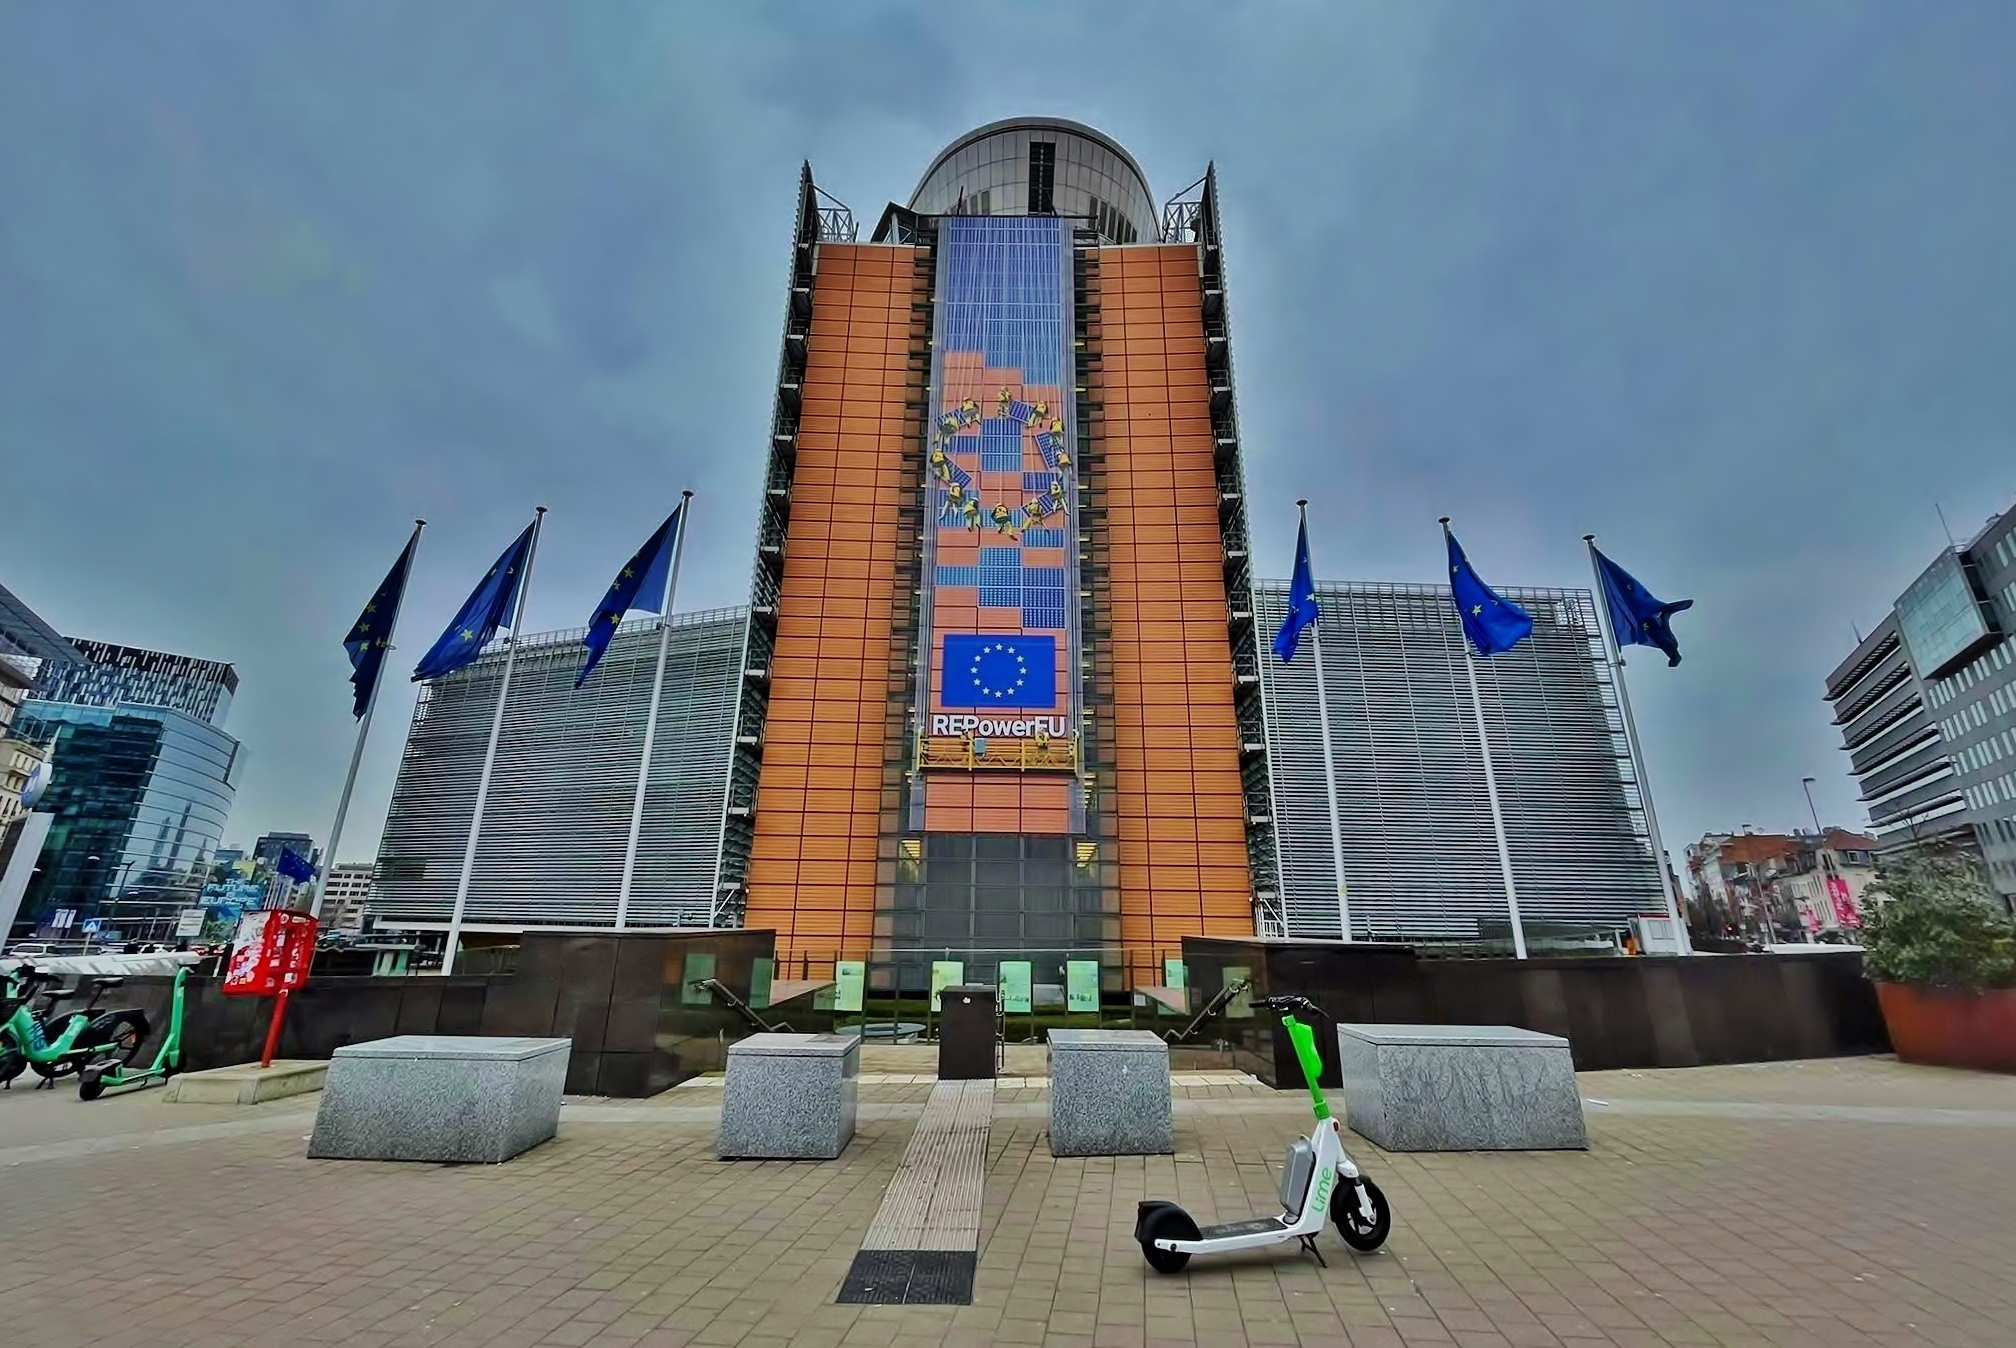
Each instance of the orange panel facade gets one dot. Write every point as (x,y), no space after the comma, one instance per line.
(1180,812)
(812,868)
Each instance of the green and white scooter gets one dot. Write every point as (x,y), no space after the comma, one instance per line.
(1318,1181)
(117,1074)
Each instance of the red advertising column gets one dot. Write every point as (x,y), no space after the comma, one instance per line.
(270,958)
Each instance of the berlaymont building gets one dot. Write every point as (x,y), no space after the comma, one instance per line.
(1002,687)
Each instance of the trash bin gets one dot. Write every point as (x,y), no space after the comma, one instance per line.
(966,1034)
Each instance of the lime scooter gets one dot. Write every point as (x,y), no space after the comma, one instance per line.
(117,1074)
(54,1045)
(1319,1180)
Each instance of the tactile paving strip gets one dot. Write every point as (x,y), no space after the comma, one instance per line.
(922,1246)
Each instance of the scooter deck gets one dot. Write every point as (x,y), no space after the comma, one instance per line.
(1257,1226)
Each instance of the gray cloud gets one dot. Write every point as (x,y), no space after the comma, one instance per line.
(1727,285)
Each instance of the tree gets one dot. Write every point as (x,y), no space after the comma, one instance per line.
(1938,925)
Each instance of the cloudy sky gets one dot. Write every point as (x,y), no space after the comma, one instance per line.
(1731,285)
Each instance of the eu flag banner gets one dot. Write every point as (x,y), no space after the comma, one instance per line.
(1636,616)
(294,867)
(1491,623)
(640,584)
(1000,670)
(372,636)
(490,606)
(1302,607)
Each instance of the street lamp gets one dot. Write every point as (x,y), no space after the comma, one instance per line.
(1806,783)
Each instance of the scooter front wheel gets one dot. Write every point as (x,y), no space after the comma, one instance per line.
(1171,1223)
(1361,1235)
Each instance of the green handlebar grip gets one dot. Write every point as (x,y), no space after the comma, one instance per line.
(1304,1040)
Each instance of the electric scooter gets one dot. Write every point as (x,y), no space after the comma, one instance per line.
(1319,1179)
(117,1074)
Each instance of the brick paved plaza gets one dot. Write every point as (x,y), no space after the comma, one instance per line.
(1845,1202)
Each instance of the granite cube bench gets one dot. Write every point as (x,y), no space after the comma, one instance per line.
(1109,1094)
(790,1097)
(437,1097)
(1460,1088)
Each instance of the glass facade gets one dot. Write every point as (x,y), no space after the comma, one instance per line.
(999,595)
(1943,622)
(139,797)
(114,675)
(1927,707)
(1420,853)
(22,632)
(558,816)
(1042,166)
(1975,706)
(1001,649)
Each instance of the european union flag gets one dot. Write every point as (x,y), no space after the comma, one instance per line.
(1492,624)
(1636,616)
(999,670)
(640,584)
(372,636)
(294,868)
(1302,608)
(493,604)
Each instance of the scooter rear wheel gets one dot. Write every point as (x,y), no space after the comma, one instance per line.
(1359,1234)
(1168,1224)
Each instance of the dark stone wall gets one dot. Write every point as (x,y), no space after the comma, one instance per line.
(624,1000)
(1648,1011)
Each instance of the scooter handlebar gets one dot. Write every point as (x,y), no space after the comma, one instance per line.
(1286,1003)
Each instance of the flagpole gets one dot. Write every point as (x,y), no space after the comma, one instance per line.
(490,754)
(1637,751)
(651,720)
(1491,792)
(363,731)
(1329,763)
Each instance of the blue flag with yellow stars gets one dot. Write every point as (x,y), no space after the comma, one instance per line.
(372,636)
(493,604)
(1636,616)
(294,867)
(1302,609)
(1491,623)
(640,584)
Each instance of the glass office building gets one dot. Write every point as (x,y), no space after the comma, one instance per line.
(138,798)
(558,816)
(1420,854)
(110,674)
(1002,639)
(998,692)
(142,776)
(1927,707)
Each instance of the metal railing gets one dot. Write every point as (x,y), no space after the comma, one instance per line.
(983,754)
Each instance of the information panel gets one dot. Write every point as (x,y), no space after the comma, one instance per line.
(1081,985)
(1015,986)
(849,977)
(945,974)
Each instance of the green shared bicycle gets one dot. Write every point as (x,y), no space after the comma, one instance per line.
(57,1045)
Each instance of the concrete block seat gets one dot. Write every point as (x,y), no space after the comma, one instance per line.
(790,1097)
(1460,1088)
(430,1097)
(1109,1094)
